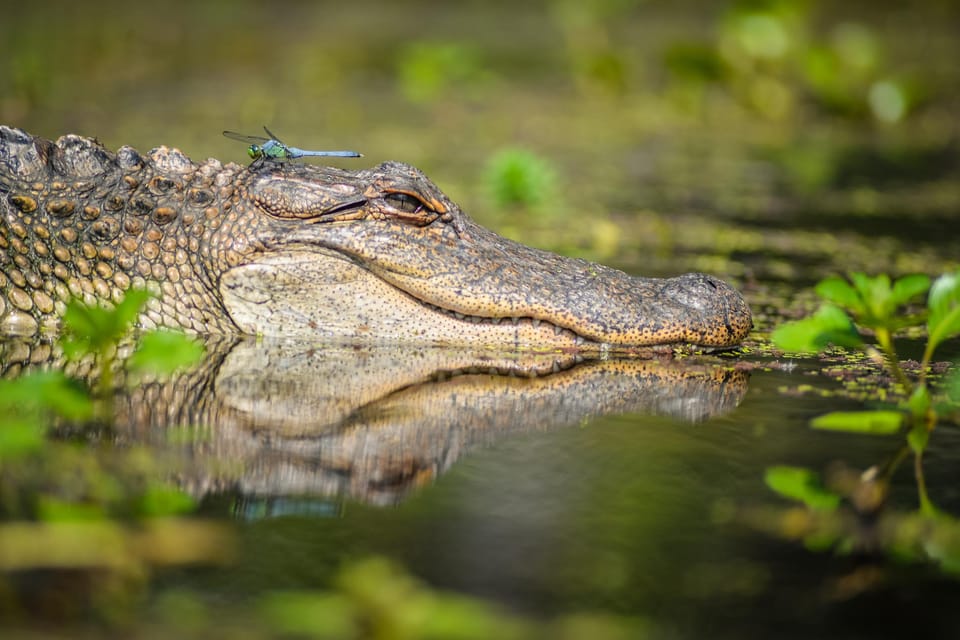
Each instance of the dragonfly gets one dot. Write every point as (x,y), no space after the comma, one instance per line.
(272,149)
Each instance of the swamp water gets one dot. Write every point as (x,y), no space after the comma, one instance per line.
(626,495)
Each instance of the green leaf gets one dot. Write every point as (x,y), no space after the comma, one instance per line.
(92,329)
(159,500)
(20,437)
(877,296)
(51,509)
(162,352)
(919,402)
(829,325)
(944,304)
(84,329)
(839,292)
(917,438)
(868,422)
(800,484)
(46,391)
(129,308)
(908,287)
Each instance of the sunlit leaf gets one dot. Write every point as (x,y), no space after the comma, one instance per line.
(20,437)
(800,484)
(829,325)
(944,304)
(84,329)
(908,287)
(868,422)
(91,329)
(310,614)
(54,510)
(129,308)
(162,352)
(838,291)
(160,500)
(46,391)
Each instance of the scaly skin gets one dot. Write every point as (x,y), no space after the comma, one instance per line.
(311,251)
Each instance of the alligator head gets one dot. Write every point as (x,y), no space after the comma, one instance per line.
(307,250)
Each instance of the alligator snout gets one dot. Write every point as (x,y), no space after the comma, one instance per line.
(713,313)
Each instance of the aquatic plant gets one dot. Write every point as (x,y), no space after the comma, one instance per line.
(94,334)
(520,178)
(70,504)
(875,305)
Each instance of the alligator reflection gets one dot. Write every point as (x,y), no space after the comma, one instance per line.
(373,422)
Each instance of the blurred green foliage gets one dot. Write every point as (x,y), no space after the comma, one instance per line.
(517,178)
(772,58)
(67,504)
(428,71)
(801,484)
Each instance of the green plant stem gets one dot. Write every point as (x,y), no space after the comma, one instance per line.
(104,393)
(925,362)
(926,506)
(893,464)
(886,344)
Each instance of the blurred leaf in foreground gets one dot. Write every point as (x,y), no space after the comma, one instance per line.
(797,483)
(163,352)
(867,422)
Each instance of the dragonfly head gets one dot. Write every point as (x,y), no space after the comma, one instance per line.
(254,151)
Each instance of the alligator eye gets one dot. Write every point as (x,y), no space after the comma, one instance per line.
(405,202)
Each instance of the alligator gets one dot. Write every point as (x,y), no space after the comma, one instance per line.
(305,250)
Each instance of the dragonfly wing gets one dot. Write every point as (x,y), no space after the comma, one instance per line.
(272,135)
(239,137)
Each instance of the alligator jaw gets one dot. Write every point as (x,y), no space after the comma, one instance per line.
(321,293)
(473,272)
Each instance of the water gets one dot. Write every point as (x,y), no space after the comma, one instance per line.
(548,512)
(629,489)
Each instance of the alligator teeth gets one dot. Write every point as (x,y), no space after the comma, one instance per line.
(515,320)
(557,330)
(556,367)
(535,322)
(458,315)
(496,320)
